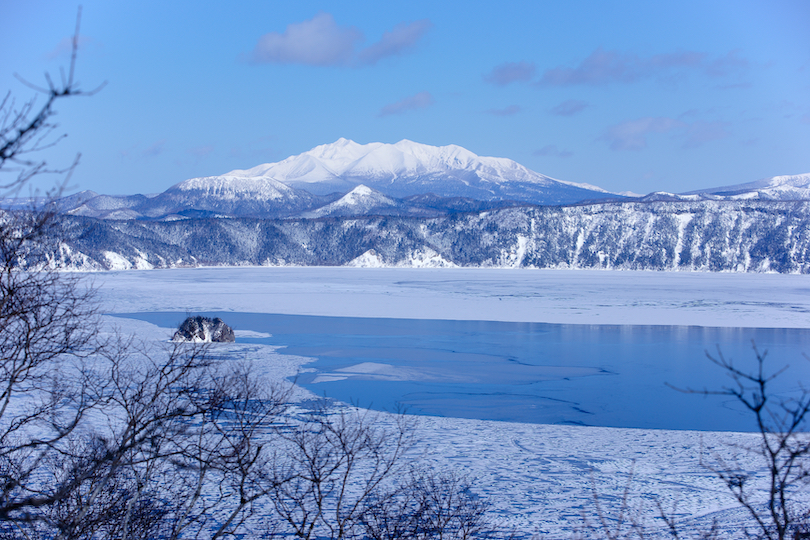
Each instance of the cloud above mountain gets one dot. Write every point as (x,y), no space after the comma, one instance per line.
(421,100)
(551,150)
(401,39)
(506,111)
(510,72)
(320,41)
(634,134)
(603,67)
(569,107)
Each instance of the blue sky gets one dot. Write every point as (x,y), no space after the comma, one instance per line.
(638,96)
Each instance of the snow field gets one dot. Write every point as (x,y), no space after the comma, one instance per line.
(515,295)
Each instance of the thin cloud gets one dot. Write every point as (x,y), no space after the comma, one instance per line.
(699,133)
(320,41)
(155,150)
(506,111)
(201,151)
(632,135)
(732,64)
(421,100)
(550,150)
(805,119)
(569,107)
(510,72)
(734,86)
(402,38)
(609,67)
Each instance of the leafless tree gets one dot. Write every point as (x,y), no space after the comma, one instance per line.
(107,439)
(328,467)
(168,442)
(27,130)
(783,452)
(784,449)
(427,505)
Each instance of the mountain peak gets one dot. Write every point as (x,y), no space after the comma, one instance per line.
(410,168)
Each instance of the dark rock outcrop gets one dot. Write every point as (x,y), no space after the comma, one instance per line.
(204,329)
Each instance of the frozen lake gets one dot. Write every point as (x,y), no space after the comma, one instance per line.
(540,478)
(595,375)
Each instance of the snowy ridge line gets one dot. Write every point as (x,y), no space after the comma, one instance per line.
(346,158)
(719,236)
(404,179)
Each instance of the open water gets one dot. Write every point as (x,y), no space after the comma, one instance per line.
(598,375)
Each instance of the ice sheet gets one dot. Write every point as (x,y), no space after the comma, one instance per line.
(520,295)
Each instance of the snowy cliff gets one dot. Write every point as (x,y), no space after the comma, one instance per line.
(740,236)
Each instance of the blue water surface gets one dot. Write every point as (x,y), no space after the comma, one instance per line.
(597,375)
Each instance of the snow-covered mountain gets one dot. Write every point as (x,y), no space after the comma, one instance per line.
(403,179)
(215,196)
(344,178)
(417,205)
(777,188)
(235,196)
(360,201)
(409,168)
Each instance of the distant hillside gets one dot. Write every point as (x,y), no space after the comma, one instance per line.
(739,236)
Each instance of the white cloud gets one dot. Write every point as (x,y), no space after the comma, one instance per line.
(701,132)
(201,151)
(65,47)
(317,42)
(155,149)
(633,134)
(605,67)
(417,101)
(320,41)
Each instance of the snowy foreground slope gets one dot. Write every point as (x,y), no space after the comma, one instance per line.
(540,479)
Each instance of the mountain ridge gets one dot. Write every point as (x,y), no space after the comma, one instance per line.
(408,168)
(408,178)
